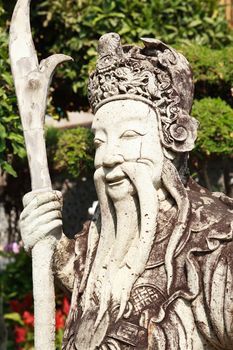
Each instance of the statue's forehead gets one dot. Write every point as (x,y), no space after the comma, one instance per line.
(118,112)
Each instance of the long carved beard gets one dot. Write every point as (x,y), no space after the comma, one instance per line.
(128,228)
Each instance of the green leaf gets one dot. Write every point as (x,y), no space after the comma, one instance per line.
(14,316)
(2,131)
(7,77)
(9,169)
(195,23)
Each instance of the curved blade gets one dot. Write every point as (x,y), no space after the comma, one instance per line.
(22,51)
(49,64)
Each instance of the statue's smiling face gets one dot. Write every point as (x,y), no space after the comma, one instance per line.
(126,131)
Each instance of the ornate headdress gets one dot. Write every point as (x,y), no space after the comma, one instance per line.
(156,75)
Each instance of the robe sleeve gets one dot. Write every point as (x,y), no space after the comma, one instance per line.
(213,309)
(218,294)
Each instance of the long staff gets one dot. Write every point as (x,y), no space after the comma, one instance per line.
(32,80)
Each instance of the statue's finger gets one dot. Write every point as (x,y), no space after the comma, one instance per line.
(53,228)
(40,211)
(34,199)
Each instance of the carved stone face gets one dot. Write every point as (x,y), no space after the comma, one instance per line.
(126,131)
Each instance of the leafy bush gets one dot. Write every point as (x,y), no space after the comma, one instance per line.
(11,139)
(212,66)
(212,70)
(72,150)
(73,28)
(215,135)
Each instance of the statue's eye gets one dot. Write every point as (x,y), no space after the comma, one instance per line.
(98,142)
(130,133)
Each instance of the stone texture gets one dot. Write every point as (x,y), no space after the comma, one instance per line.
(153,269)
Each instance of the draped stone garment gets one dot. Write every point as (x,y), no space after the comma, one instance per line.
(198,312)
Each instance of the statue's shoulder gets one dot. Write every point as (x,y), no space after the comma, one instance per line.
(211,247)
(210,210)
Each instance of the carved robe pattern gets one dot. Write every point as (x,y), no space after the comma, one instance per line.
(198,312)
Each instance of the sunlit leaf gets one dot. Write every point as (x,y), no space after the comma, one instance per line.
(14,316)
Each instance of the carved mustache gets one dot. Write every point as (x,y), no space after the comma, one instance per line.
(114,175)
(118,173)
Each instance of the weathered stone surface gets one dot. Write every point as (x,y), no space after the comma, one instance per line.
(153,269)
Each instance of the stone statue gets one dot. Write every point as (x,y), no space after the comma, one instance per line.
(153,269)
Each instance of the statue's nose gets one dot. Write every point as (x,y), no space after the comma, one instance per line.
(111,159)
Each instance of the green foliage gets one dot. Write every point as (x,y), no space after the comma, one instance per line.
(17,273)
(215,135)
(73,27)
(212,70)
(212,66)
(72,150)
(14,316)
(11,139)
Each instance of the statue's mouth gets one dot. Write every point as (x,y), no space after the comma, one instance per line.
(116,183)
(115,179)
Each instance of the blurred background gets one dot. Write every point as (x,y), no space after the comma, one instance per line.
(200,29)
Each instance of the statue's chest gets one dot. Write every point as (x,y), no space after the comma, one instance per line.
(153,320)
(147,296)
(149,291)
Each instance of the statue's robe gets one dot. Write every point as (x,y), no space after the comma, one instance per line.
(198,312)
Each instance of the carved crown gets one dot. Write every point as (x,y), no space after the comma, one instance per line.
(155,74)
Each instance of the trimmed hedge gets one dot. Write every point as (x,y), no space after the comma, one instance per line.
(215,136)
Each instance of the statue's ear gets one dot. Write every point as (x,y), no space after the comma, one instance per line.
(181,135)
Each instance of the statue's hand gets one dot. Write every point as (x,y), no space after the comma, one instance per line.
(41,217)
